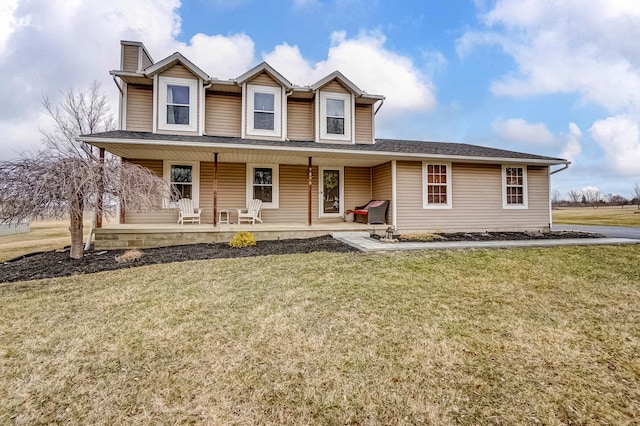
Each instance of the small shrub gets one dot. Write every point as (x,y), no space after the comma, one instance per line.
(243,239)
(129,256)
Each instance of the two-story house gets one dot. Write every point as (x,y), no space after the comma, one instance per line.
(308,152)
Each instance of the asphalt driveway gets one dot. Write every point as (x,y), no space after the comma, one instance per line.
(608,231)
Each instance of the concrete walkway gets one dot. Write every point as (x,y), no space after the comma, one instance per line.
(363,242)
(607,231)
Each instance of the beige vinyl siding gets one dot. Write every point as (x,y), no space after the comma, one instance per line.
(364,123)
(476,198)
(294,189)
(334,86)
(357,186)
(300,120)
(231,189)
(180,71)
(129,58)
(223,115)
(146,61)
(263,79)
(382,187)
(154,215)
(139,108)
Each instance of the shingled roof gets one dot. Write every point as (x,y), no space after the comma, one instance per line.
(412,148)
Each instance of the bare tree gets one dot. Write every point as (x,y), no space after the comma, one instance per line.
(574,196)
(618,200)
(67,177)
(636,194)
(592,196)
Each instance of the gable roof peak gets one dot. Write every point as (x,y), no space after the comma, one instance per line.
(265,67)
(170,61)
(337,75)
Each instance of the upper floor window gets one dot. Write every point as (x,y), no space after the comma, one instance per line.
(335,116)
(436,178)
(335,120)
(514,187)
(264,105)
(177,104)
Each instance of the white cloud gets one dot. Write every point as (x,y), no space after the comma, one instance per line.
(619,137)
(534,135)
(220,56)
(395,76)
(572,146)
(567,47)
(519,130)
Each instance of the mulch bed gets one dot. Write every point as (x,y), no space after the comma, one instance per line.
(53,264)
(508,236)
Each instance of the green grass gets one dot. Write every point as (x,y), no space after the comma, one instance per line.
(608,216)
(521,336)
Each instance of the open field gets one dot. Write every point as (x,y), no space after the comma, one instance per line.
(608,216)
(44,235)
(521,336)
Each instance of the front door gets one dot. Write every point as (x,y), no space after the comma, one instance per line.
(331,197)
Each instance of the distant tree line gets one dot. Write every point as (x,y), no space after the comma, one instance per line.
(593,197)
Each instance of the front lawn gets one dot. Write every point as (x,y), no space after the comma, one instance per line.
(520,336)
(607,216)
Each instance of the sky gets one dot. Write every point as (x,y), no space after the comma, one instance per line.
(549,77)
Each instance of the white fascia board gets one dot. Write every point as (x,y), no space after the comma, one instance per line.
(340,152)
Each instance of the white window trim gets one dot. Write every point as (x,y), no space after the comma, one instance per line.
(348,107)
(425,186)
(321,170)
(277,113)
(166,174)
(163,82)
(525,194)
(275,170)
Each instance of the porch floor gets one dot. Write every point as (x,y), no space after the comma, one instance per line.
(117,236)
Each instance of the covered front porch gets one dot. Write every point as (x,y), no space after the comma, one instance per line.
(120,236)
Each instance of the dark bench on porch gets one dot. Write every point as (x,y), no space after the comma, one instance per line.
(374,212)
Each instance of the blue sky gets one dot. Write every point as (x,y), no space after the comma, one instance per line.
(548,77)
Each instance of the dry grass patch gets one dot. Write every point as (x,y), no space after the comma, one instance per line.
(422,237)
(43,236)
(607,216)
(519,336)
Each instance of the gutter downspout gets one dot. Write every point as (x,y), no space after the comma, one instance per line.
(202,107)
(118,85)
(285,121)
(566,166)
(379,106)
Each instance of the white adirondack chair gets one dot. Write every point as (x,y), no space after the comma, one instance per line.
(187,212)
(251,213)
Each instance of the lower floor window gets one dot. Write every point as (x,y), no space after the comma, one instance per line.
(182,180)
(184,177)
(437,185)
(514,187)
(262,184)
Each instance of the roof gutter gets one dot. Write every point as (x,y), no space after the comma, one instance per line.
(299,150)
(566,166)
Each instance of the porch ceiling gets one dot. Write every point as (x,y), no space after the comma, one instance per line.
(236,155)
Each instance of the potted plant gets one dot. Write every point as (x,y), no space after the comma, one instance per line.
(349,216)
